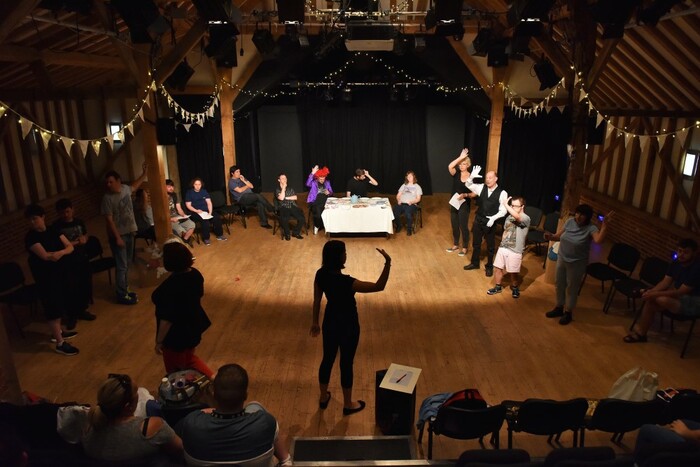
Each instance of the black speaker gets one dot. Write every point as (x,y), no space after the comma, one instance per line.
(138,16)
(165,131)
(394,411)
(222,44)
(264,42)
(290,11)
(180,76)
(595,135)
(497,57)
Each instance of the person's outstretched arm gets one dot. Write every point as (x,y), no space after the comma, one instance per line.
(378,286)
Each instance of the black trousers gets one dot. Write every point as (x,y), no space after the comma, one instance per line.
(344,338)
(479,231)
(286,214)
(317,208)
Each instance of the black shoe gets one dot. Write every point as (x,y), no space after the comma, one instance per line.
(555,313)
(299,236)
(397,227)
(409,233)
(287,237)
(471,266)
(566,319)
(70,323)
(489,272)
(87,316)
(266,226)
(347,411)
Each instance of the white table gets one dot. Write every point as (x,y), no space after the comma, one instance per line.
(365,216)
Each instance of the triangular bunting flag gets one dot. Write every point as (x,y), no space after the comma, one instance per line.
(523,101)
(682,136)
(216,101)
(582,95)
(210,112)
(96,146)
(590,106)
(609,129)
(110,141)
(140,113)
(187,126)
(46,137)
(643,142)
(2,111)
(83,145)
(153,85)
(130,128)
(120,135)
(547,109)
(662,140)
(563,83)
(67,143)
(26,127)
(561,108)
(200,121)
(148,100)
(598,120)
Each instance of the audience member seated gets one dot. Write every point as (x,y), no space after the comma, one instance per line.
(12,450)
(319,191)
(358,185)
(231,431)
(75,231)
(110,431)
(652,438)
(241,191)
(182,226)
(286,199)
(48,262)
(678,292)
(198,201)
(407,198)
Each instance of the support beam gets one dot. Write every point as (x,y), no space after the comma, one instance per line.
(461,49)
(12,14)
(496,122)
(556,56)
(18,54)
(125,53)
(601,60)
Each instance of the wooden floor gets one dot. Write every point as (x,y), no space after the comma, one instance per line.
(432,315)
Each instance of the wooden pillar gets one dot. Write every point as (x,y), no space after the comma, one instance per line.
(496,123)
(226,99)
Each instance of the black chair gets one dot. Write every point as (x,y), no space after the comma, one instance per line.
(619,416)
(98,262)
(417,218)
(535,214)
(678,317)
(14,291)
(547,417)
(458,423)
(685,404)
(226,211)
(536,236)
(622,260)
(276,222)
(652,272)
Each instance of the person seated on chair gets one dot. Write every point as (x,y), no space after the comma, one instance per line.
(319,191)
(359,184)
(286,198)
(231,431)
(241,191)
(143,212)
(198,202)
(75,231)
(510,254)
(111,431)
(50,268)
(652,437)
(678,292)
(407,199)
(180,223)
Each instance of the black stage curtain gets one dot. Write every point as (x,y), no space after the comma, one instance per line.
(248,149)
(385,138)
(476,138)
(200,150)
(532,161)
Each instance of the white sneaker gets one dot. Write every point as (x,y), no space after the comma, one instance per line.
(315,230)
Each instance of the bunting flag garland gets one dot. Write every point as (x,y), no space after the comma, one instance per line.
(96,146)
(67,143)
(187,116)
(26,127)
(45,137)
(83,144)
(2,111)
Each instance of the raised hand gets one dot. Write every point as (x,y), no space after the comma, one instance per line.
(314,169)
(385,255)
(476,172)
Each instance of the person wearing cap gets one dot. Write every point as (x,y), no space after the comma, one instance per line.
(319,191)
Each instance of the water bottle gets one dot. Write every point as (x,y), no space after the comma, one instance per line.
(165,387)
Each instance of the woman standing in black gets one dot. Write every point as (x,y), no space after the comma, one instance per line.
(341,327)
(460,217)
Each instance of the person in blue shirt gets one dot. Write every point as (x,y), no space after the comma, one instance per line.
(198,201)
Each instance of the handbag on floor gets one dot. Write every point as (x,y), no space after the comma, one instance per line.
(636,384)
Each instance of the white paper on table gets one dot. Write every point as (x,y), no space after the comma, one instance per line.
(456,201)
(205,215)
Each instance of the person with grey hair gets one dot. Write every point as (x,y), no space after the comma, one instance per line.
(231,431)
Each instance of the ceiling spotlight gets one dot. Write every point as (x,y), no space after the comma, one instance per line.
(546,74)
(482,42)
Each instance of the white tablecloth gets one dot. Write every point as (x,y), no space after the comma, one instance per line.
(362,217)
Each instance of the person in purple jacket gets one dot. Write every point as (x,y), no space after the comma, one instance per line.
(319,190)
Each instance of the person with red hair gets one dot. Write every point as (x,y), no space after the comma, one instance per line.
(319,191)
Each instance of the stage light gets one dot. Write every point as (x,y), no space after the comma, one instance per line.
(546,74)
(482,42)
(653,13)
(613,15)
(263,41)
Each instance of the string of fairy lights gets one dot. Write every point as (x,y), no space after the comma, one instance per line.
(519,105)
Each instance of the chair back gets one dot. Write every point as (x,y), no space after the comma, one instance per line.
(653,270)
(265,459)
(547,417)
(93,247)
(459,423)
(685,405)
(218,199)
(11,276)
(535,215)
(624,257)
(551,222)
(598,455)
(621,416)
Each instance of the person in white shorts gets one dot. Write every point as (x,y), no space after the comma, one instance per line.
(510,254)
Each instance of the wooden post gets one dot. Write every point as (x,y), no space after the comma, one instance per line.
(496,123)
(226,99)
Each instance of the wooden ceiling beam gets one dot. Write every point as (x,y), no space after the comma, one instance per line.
(177,53)
(17,54)
(41,75)
(559,60)
(602,57)
(691,61)
(125,53)
(16,95)
(12,14)
(661,113)
(461,49)
(620,91)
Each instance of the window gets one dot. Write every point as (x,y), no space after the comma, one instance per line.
(690,163)
(114,128)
